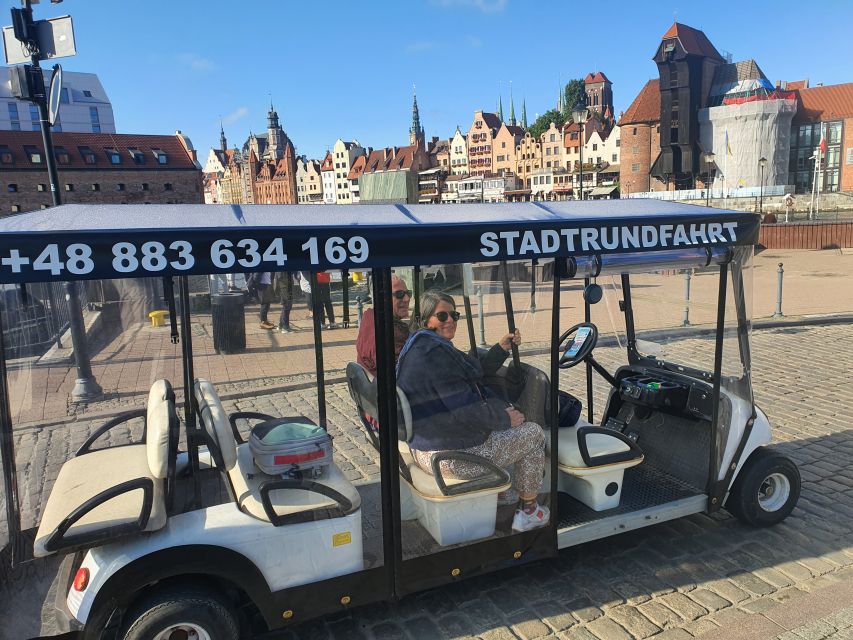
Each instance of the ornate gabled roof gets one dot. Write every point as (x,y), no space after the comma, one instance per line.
(693,41)
(597,76)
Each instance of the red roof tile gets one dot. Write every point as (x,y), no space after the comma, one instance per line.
(357,168)
(75,144)
(693,40)
(328,163)
(646,106)
(820,104)
(492,121)
(592,78)
(796,85)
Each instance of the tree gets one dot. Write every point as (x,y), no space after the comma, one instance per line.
(544,121)
(573,92)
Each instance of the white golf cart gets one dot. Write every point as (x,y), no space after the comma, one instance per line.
(147,486)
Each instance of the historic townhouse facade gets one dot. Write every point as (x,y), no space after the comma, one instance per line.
(481,136)
(528,156)
(506,141)
(458,154)
(329,179)
(344,155)
(309,182)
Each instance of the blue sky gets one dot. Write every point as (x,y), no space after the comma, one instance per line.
(345,69)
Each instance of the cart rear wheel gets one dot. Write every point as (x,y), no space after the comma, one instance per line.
(766,489)
(181,614)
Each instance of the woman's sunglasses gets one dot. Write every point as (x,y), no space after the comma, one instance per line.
(402,293)
(444,315)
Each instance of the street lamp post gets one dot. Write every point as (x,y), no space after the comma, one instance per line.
(85,387)
(762,162)
(579,115)
(709,163)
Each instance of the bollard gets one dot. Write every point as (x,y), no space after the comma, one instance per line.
(686,322)
(481,315)
(779,272)
(359,306)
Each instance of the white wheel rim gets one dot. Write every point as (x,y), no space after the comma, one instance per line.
(774,492)
(183,631)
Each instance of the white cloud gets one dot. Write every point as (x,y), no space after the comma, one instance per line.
(419,47)
(196,62)
(486,6)
(234,116)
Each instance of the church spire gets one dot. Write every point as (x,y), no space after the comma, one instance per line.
(416,132)
(524,113)
(500,108)
(511,107)
(223,143)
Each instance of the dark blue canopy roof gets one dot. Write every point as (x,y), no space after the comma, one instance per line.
(98,241)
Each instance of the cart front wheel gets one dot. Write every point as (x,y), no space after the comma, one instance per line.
(182,614)
(766,489)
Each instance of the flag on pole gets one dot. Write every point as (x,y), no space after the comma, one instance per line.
(822,143)
(728,146)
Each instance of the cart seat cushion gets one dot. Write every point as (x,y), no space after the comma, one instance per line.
(568,450)
(84,477)
(425,484)
(215,421)
(247,479)
(160,419)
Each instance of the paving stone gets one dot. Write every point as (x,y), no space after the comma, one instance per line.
(674,634)
(759,606)
(347,629)
(388,631)
(798,572)
(532,628)
(584,610)
(699,627)
(606,629)
(752,583)
(578,633)
(817,630)
(634,621)
(454,625)
(683,606)
(555,615)
(423,628)
(500,633)
(661,615)
(710,600)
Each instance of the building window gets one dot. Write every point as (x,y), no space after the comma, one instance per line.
(673,76)
(96,186)
(161,156)
(34,154)
(13,116)
(120,186)
(95,119)
(167,186)
(595,147)
(61,154)
(635,167)
(145,186)
(6,155)
(41,187)
(12,188)
(614,158)
(63,96)
(137,156)
(69,186)
(35,118)
(88,155)
(634,130)
(16,208)
(87,93)
(114,156)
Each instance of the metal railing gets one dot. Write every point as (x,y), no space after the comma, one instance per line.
(34,317)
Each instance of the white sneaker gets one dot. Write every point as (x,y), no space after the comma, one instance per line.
(527,521)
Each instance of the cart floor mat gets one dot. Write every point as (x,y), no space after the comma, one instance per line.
(643,487)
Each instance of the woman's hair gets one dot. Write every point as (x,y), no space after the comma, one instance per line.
(429,301)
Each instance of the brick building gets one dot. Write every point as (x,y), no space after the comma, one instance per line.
(481,135)
(640,131)
(98,168)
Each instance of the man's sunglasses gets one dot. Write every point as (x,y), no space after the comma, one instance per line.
(402,293)
(444,315)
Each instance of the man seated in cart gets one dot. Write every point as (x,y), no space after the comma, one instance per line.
(365,344)
(452,409)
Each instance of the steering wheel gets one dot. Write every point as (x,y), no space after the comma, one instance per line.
(583,338)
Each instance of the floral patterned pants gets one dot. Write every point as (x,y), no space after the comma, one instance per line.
(521,448)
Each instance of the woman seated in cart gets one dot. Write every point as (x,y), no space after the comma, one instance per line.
(452,409)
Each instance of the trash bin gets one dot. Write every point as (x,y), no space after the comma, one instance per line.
(229,322)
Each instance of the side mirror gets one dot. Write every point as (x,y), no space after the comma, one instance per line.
(592,293)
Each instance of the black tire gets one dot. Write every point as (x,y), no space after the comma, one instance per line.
(200,607)
(766,490)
